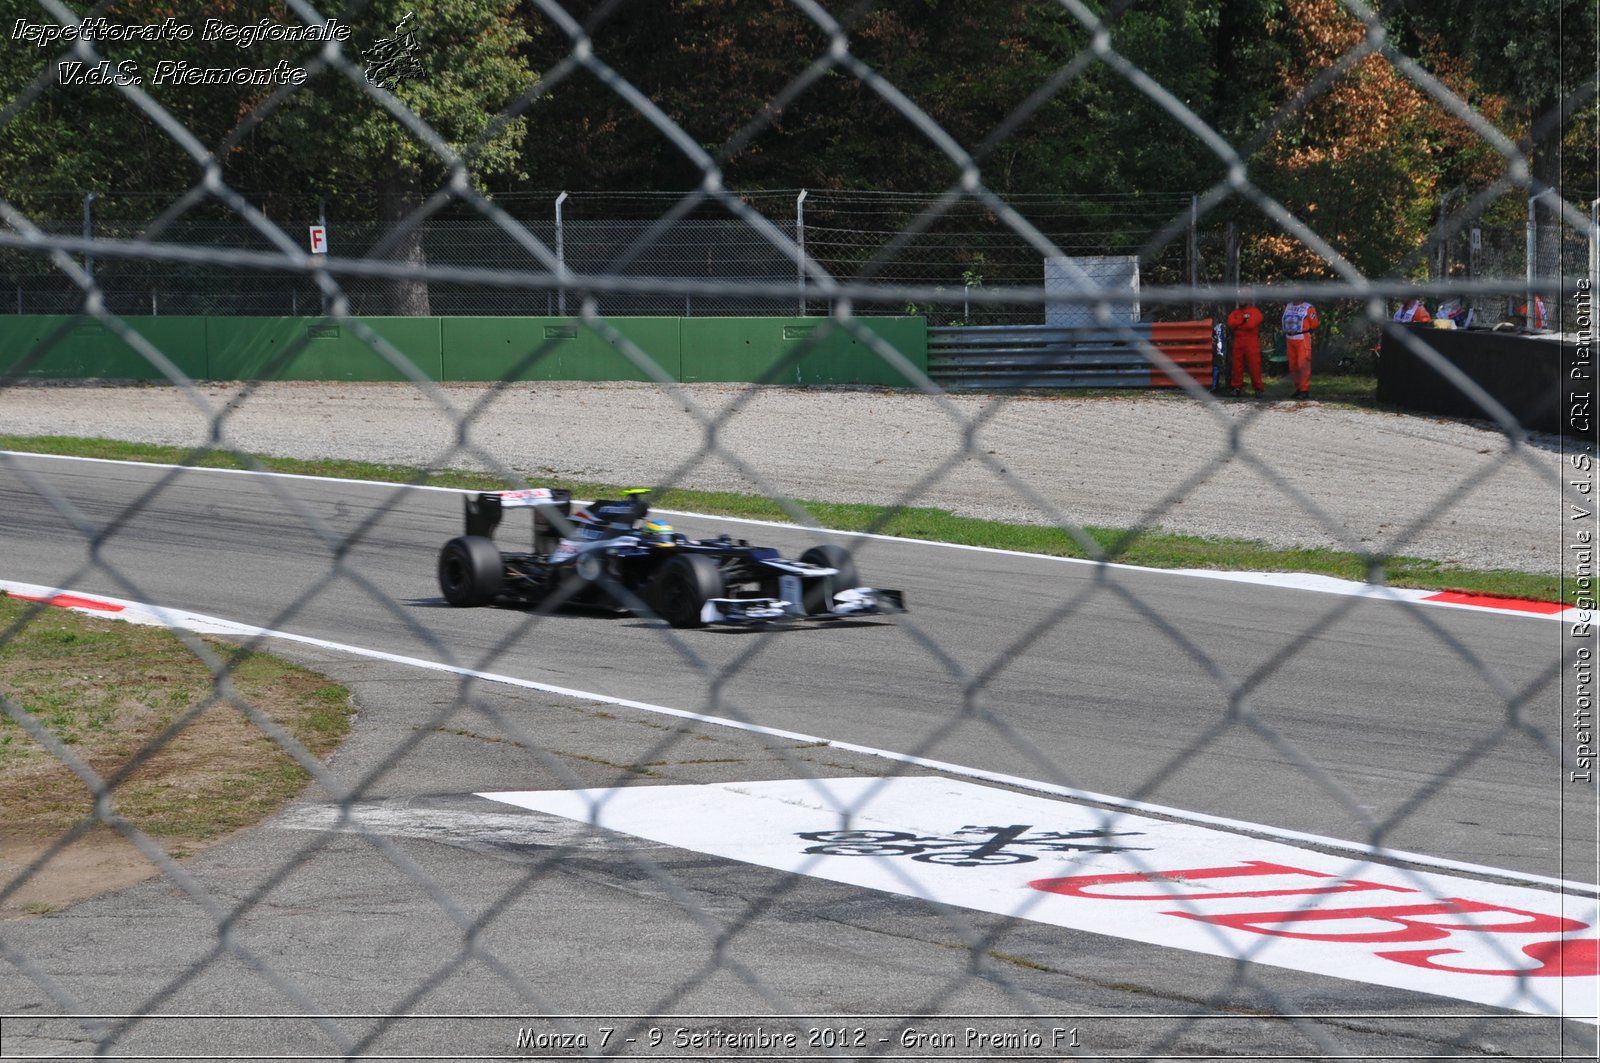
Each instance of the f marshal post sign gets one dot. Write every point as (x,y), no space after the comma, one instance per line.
(319,239)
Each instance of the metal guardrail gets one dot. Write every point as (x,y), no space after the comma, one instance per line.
(1051,356)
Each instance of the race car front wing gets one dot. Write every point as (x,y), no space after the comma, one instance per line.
(857,601)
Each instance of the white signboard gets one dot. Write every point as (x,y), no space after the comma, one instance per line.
(1085,274)
(1179,885)
(319,239)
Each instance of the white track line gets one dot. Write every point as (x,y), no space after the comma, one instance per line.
(1299,581)
(137,612)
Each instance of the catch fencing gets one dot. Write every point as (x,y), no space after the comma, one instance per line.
(948,265)
(953,265)
(240,937)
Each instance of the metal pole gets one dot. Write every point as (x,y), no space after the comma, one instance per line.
(154,312)
(88,229)
(1232,256)
(1594,242)
(1194,253)
(1532,269)
(800,241)
(1442,259)
(561,257)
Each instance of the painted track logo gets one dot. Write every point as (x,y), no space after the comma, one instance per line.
(999,845)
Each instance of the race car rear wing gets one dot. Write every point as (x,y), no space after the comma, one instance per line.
(551,506)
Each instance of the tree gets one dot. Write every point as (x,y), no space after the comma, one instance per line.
(336,135)
(1538,55)
(1365,161)
(714,67)
(83,135)
(330,137)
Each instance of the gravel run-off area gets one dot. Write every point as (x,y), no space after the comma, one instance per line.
(1284,473)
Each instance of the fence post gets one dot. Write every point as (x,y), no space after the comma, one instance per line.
(1194,255)
(561,258)
(1528,305)
(1440,254)
(1232,279)
(800,240)
(1594,241)
(88,229)
(154,312)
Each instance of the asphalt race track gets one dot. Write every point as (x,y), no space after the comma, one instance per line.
(1431,731)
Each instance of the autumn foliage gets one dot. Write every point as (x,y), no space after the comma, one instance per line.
(1365,159)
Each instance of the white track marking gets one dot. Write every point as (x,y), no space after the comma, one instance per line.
(180,618)
(480,830)
(1281,580)
(1175,885)
(228,472)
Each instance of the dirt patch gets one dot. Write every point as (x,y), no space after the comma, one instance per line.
(185,734)
(102,861)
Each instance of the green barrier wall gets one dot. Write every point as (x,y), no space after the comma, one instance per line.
(802,351)
(555,348)
(291,348)
(85,348)
(799,350)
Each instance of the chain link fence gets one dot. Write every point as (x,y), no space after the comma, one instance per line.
(1500,253)
(844,234)
(390,914)
(964,252)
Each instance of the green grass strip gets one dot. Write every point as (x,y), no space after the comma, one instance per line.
(1154,549)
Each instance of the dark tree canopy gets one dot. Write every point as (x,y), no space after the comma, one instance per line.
(757,86)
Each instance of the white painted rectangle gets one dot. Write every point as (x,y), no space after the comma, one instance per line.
(1178,885)
(1080,274)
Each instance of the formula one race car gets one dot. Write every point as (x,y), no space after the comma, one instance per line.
(612,554)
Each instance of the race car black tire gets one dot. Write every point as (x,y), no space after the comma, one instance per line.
(682,587)
(819,592)
(470,570)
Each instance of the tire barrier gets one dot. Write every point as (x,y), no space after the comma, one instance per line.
(1047,356)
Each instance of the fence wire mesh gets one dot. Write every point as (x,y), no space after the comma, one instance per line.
(1159,765)
(965,252)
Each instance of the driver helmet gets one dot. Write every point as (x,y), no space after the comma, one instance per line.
(655,530)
